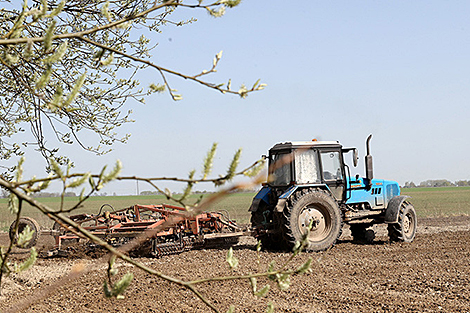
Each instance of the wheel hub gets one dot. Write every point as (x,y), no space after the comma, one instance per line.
(320,225)
(407,226)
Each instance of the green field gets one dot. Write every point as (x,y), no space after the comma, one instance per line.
(236,204)
(429,202)
(440,201)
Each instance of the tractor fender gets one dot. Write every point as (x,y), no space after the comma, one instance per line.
(393,209)
(262,195)
(281,202)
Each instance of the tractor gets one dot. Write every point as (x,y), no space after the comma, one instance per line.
(310,186)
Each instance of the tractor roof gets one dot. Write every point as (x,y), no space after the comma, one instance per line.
(304,144)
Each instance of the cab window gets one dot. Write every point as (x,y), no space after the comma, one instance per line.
(331,165)
(306,166)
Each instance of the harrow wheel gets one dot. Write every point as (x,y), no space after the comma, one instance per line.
(23,222)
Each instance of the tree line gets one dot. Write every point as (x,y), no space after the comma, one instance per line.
(437,183)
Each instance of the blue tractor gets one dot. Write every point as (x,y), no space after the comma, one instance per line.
(310,184)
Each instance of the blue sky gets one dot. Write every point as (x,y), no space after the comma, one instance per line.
(336,70)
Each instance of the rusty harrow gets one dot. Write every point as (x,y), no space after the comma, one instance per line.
(159,229)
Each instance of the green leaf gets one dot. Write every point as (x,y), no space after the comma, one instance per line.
(263,291)
(258,246)
(57,10)
(216,13)
(82,193)
(304,267)
(107,291)
(78,181)
(56,101)
(270,308)
(189,186)
(43,185)
(91,181)
(253,284)
(254,171)
(177,97)
(231,309)
(283,281)
(122,284)
(114,172)
(243,92)
(157,88)
(261,86)
(59,53)
(13,203)
(230,3)
(28,50)
(208,161)
(43,8)
(25,236)
(255,84)
(45,77)
(234,164)
(76,88)
(271,269)
(19,170)
(49,35)
(56,168)
(11,59)
(108,60)
(105,11)
(231,259)
(29,261)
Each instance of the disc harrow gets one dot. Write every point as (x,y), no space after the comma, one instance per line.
(159,229)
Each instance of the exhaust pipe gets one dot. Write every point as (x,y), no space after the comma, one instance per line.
(369,166)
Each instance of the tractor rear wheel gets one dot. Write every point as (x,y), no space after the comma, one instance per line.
(405,229)
(23,222)
(320,209)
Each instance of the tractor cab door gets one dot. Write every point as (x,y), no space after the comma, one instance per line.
(333,172)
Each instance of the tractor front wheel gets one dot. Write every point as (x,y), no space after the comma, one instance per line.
(316,208)
(405,229)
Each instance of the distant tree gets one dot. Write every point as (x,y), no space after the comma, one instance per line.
(436,183)
(67,68)
(462,183)
(149,193)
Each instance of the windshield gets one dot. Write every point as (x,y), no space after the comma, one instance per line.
(281,169)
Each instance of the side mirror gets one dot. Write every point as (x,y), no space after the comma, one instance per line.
(355,157)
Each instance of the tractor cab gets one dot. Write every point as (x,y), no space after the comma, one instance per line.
(308,163)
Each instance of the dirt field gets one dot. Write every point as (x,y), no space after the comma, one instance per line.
(432,274)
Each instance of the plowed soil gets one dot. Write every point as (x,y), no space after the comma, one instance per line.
(432,274)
